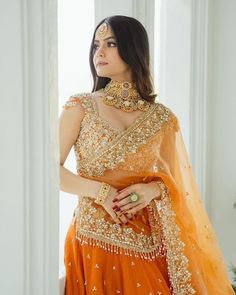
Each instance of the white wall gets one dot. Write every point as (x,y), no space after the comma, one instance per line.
(221,177)
(12,150)
(29,148)
(174,61)
(74,39)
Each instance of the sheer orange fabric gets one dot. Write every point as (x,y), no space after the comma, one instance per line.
(170,247)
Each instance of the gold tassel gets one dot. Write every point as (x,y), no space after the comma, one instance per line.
(159,252)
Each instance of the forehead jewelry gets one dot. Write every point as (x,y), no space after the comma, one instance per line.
(102,30)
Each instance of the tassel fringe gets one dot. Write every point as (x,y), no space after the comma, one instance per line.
(114,249)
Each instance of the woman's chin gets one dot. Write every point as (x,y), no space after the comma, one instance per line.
(103,74)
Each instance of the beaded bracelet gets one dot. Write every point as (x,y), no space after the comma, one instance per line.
(103,192)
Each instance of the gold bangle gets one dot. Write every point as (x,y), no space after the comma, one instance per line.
(103,192)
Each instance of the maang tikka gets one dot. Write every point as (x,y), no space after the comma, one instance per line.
(102,30)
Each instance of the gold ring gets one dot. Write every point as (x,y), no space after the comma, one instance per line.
(134,197)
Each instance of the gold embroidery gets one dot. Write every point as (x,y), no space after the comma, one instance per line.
(88,256)
(71,103)
(92,228)
(94,289)
(100,147)
(76,99)
(177,262)
(124,143)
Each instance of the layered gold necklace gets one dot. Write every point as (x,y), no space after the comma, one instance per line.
(124,96)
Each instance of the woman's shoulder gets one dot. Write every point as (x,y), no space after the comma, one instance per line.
(77,99)
(165,113)
(87,94)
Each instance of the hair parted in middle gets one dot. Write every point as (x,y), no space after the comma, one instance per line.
(133,48)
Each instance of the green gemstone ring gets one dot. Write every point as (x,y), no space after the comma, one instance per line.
(134,197)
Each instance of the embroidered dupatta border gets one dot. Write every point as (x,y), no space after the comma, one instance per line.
(177,262)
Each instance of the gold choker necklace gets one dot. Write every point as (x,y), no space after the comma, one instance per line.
(124,96)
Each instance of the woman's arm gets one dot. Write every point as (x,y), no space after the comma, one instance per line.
(69,128)
(75,184)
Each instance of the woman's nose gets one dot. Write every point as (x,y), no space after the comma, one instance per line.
(100,52)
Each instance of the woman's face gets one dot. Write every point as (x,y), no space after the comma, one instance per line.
(106,59)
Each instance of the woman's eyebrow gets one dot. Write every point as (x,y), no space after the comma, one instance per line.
(111,37)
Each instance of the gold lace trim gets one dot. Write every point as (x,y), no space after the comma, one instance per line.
(93,229)
(177,262)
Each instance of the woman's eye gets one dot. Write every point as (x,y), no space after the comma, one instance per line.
(111,44)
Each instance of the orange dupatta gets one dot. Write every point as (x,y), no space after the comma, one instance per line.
(194,259)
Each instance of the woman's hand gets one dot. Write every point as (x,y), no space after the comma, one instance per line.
(146,191)
(108,204)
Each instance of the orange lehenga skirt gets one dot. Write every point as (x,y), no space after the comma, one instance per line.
(92,270)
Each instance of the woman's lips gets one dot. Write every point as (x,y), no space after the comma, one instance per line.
(101,64)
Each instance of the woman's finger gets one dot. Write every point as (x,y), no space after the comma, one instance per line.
(123,194)
(129,215)
(124,199)
(136,208)
(122,202)
(129,206)
(123,218)
(115,218)
(126,204)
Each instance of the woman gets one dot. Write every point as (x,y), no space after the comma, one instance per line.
(140,226)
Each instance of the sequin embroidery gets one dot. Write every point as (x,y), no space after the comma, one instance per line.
(94,229)
(177,262)
(100,146)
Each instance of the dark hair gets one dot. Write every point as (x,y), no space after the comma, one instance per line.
(133,48)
